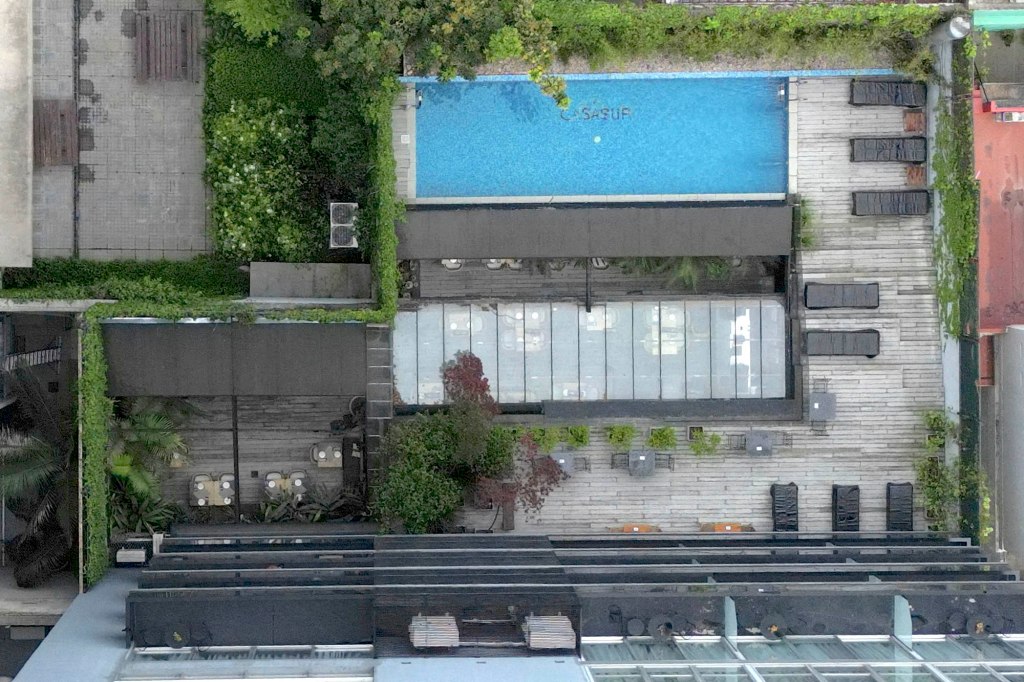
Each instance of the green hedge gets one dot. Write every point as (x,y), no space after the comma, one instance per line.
(208,275)
(603,32)
(245,73)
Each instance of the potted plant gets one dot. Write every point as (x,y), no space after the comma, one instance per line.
(577,436)
(620,436)
(662,439)
(705,443)
(546,438)
(940,428)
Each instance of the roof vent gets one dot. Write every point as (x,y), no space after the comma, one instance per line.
(549,632)
(343,219)
(428,632)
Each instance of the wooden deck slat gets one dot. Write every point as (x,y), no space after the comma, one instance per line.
(54,132)
(168,45)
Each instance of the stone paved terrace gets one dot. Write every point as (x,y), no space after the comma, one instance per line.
(142,194)
(878,432)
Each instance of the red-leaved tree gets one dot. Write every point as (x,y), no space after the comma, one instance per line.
(533,478)
(464,382)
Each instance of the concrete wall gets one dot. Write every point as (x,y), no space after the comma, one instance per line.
(1008,464)
(15,133)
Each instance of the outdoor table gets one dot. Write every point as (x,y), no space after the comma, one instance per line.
(760,442)
(822,407)
(212,493)
(328,454)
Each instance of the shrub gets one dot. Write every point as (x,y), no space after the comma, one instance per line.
(256,18)
(429,440)
(939,487)
(342,141)
(254,162)
(603,32)
(940,428)
(577,436)
(498,457)
(546,438)
(704,443)
(209,275)
(621,436)
(245,73)
(418,497)
(662,438)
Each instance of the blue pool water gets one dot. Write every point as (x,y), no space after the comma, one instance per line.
(619,136)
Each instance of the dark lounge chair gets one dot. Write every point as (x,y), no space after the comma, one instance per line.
(887,93)
(899,507)
(785,511)
(913,202)
(905,149)
(820,295)
(860,342)
(845,508)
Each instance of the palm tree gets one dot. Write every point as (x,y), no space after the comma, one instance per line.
(38,481)
(143,439)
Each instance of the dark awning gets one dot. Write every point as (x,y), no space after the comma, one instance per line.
(610,231)
(207,359)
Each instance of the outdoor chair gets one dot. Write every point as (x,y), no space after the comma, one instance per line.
(451,263)
(904,149)
(899,507)
(599,263)
(785,510)
(494,263)
(298,483)
(911,202)
(272,482)
(845,508)
(886,93)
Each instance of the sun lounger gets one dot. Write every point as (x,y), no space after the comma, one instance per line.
(887,93)
(861,342)
(905,149)
(913,202)
(785,511)
(820,295)
(845,508)
(899,506)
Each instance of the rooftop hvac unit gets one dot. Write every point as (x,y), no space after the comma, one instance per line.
(549,632)
(343,219)
(428,632)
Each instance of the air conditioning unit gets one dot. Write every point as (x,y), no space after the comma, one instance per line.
(343,232)
(1010,117)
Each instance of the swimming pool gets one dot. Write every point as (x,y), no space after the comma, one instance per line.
(619,136)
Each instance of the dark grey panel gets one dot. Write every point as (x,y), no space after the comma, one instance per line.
(168,359)
(209,359)
(914,202)
(300,359)
(819,295)
(845,508)
(862,342)
(611,231)
(785,512)
(899,506)
(890,93)
(908,149)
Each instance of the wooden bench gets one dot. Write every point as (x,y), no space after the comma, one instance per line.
(818,295)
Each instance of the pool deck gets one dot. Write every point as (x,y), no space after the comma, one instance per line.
(878,433)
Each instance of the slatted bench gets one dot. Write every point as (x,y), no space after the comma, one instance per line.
(904,149)
(860,342)
(913,202)
(887,93)
(845,508)
(818,295)
(785,510)
(899,507)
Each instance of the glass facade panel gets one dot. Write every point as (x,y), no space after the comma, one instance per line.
(404,348)
(565,356)
(430,346)
(646,358)
(748,349)
(698,349)
(773,349)
(537,328)
(593,326)
(645,350)
(619,350)
(671,342)
(886,650)
(511,353)
(723,352)
(484,338)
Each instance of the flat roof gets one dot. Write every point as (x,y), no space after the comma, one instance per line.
(160,358)
(15,133)
(608,231)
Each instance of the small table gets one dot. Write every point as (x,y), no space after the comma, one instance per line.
(760,442)
(212,494)
(329,454)
(822,407)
